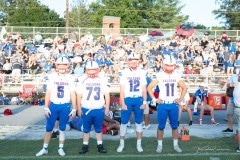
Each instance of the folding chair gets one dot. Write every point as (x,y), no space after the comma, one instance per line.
(26,97)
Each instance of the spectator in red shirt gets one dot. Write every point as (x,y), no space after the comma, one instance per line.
(189,72)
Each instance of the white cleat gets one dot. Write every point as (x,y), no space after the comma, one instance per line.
(42,152)
(120,148)
(177,149)
(159,149)
(61,152)
(139,148)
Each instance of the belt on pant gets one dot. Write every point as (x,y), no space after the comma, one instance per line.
(134,96)
(167,102)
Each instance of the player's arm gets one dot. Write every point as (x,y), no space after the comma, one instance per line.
(184,90)
(107,102)
(47,111)
(79,101)
(150,90)
(144,94)
(122,96)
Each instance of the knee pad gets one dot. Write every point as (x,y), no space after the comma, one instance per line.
(61,135)
(138,127)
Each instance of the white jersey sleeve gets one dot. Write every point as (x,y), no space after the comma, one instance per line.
(133,82)
(92,91)
(168,85)
(61,88)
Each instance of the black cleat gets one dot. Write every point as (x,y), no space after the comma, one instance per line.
(84,149)
(55,134)
(190,123)
(101,149)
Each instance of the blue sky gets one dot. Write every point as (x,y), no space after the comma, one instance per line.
(198,10)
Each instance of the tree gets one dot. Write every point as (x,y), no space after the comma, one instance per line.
(30,13)
(79,15)
(229,12)
(138,13)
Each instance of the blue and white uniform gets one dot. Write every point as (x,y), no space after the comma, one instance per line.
(92,91)
(132,81)
(167,84)
(61,87)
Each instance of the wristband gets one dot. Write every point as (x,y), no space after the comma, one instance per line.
(144,102)
(154,100)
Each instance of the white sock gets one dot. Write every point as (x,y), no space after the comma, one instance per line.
(85,143)
(121,141)
(99,142)
(45,145)
(139,141)
(160,142)
(60,145)
(175,142)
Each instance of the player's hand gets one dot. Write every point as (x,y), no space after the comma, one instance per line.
(106,111)
(143,106)
(124,107)
(79,112)
(47,112)
(177,101)
(73,113)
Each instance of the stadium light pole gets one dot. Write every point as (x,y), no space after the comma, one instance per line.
(67,16)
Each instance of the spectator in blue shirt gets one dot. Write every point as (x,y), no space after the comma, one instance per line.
(200,95)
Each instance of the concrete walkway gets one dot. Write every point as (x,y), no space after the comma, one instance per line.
(28,123)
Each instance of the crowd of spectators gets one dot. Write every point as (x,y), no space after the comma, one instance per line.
(195,55)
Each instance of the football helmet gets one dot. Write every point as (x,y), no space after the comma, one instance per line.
(169,63)
(92,69)
(62,65)
(133,61)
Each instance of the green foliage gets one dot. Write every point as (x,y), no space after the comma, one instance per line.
(229,12)
(138,13)
(31,13)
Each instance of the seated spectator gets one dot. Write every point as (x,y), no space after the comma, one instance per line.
(190,75)
(79,69)
(110,126)
(34,67)
(16,71)
(200,104)
(197,63)
(48,66)
(38,39)
(183,106)
(7,67)
(237,63)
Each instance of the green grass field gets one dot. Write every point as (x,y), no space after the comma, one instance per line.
(195,149)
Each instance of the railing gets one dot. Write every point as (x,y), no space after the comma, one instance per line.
(215,83)
(96,32)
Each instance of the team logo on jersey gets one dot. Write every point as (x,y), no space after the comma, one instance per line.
(154,76)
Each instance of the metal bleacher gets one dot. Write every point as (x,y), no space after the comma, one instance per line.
(215,83)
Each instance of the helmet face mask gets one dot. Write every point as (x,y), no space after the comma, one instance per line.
(92,69)
(62,65)
(133,61)
(169,64)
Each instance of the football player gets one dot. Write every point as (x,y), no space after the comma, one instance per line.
(60,95)
(93,100)
(167,80)
(133,97)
